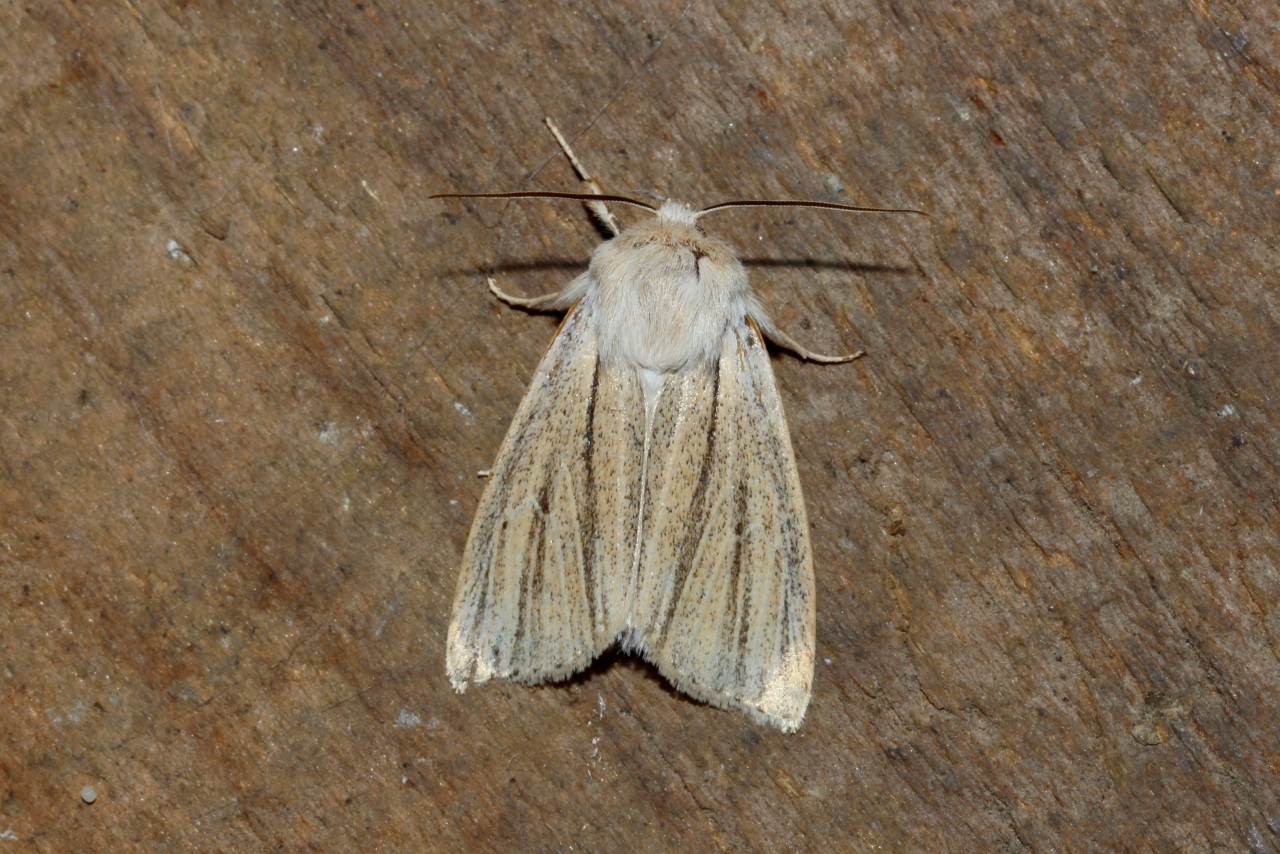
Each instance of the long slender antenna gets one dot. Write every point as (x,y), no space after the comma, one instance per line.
(624,200)
(798,203)
(539,194)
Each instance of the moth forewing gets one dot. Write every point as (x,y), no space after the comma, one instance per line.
(531,604)
(726,575)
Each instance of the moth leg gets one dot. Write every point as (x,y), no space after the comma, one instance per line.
(781,339)
(600,210)
(546,302)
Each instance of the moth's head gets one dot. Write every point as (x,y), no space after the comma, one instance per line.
(673,240)
(677,212)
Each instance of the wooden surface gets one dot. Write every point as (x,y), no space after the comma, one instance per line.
(248,374)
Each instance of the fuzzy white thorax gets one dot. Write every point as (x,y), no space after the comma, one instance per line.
(666,294)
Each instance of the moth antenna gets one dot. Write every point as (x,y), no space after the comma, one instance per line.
(538,194)
(797,203)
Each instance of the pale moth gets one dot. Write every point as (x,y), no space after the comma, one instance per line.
(646,493)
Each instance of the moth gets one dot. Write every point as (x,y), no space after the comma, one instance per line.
(646,493)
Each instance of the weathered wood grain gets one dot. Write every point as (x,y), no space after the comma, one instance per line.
(248,374)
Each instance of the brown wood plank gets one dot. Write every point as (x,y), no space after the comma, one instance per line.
(248,373)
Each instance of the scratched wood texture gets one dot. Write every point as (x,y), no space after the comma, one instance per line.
(249,373)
